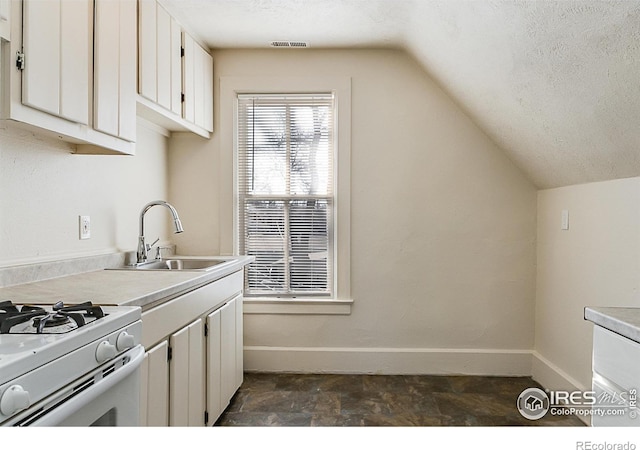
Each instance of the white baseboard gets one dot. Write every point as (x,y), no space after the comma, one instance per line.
(388,361)
(553,378)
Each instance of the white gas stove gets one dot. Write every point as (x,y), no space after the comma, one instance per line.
(69,365)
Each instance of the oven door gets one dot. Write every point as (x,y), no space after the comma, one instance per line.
(108,396)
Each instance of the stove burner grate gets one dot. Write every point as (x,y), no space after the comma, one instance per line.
(43,321)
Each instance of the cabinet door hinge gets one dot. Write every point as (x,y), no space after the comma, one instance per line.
(182,52)
(182,97)
(20,60)
(206,330)
(206,417)
(169,353)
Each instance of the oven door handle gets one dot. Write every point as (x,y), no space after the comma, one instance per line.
(74,404)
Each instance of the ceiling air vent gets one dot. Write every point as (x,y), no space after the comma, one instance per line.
(289,44)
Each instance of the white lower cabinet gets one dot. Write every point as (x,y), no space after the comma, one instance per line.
(154,387)
(194,362)
(186,375)
(215,406)
(224,356)
(616,378)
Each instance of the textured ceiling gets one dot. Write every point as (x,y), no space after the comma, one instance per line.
(555,83)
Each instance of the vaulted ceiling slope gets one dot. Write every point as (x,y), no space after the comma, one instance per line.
(555,83)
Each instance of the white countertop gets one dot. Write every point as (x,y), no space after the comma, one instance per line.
(143,288)
(624,321)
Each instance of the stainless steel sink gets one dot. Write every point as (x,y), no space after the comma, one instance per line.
(177,264)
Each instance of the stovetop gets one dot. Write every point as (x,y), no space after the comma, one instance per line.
(25,349)
(56,319)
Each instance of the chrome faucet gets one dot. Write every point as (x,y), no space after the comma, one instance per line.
(143,248)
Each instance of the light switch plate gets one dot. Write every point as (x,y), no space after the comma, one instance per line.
(565,219)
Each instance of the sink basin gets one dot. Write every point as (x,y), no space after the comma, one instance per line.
(177,264)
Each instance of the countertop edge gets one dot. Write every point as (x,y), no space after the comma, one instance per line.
(200,279)
(623,321)
(113,287)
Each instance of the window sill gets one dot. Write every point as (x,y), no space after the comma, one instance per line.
(296,306)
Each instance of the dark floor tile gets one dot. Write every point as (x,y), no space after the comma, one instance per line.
(453,404)
(341,383)
(259,382)
(491,385)
(428,384)
(298,382)
(380,400)
(385,383)
(255,419)
(405,403)
(337,420)
(363,403)
(404,420)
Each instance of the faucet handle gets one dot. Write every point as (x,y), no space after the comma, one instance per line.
(149,246)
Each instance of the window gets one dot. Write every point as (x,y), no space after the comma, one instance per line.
(285,151)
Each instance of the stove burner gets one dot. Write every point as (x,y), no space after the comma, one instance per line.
(60,320)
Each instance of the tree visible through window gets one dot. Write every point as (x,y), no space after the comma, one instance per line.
(285,187)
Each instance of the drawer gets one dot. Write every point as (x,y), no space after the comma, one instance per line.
(162,320)
(616,358)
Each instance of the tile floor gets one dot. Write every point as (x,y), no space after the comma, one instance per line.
(267,399)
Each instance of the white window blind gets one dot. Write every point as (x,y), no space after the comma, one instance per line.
(286,196)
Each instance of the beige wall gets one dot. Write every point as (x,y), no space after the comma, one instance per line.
(442,223)
(44,188)
(596,262)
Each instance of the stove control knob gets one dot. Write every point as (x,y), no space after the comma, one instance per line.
(105,351)
(14,399)
(125,341)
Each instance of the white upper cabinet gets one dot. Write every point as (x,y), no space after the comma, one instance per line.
(5,15)
(71,71)
(160,60)
(147,45)
(175,74)
(56,43)
(115,54)
(197,84)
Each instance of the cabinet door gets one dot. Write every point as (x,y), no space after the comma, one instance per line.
(160,59)
(5,24)
(207,90)
(147,57)
(197,84)
(56,41)
(188,80)
(228,352)
(115,68)
(187,390)
(239,343)
(154,387)
(176,67)
(214,368)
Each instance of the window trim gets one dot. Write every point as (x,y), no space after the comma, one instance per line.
(230,87)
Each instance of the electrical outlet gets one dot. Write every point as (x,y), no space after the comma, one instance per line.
(85,227)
